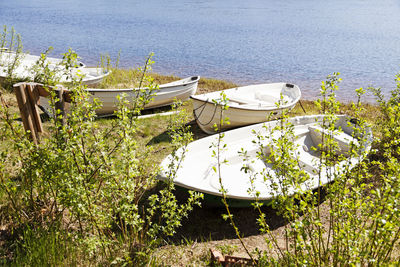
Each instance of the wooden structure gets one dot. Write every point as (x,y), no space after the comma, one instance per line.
(227,261)
(28,95)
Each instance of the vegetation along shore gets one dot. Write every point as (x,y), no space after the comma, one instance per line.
(88,193)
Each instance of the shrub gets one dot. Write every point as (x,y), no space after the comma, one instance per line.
(350,221)
(9,61)
(94,183)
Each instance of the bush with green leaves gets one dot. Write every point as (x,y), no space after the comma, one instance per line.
(388,121)
(354,219)
(94,182)
(9,61)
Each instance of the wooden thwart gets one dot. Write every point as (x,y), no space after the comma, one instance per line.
(28,95)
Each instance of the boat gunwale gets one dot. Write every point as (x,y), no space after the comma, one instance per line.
(94,78)
(117,90)
(260,108)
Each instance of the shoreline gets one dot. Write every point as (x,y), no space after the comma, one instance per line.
(309,88)
(368,97)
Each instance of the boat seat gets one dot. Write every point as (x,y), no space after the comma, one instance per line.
(267,98)
(343,139)
(307,162)
(242,100)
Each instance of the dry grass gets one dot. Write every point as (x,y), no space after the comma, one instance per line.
(129,78)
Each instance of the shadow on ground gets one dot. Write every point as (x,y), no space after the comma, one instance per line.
(165,137)
(206,223)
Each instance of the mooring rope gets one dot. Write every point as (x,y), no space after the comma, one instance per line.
(203,106)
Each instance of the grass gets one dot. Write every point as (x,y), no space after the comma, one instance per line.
(45,247)
(129,78)
(204,228)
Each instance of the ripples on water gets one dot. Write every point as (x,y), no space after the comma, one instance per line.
(252,41)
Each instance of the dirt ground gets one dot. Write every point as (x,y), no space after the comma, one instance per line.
(205,229)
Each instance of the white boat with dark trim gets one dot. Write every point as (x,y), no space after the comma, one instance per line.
(164,96)
(247,105)
(198,170)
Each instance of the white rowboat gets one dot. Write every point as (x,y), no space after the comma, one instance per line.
(247,105)
(166,95)
(29,60)
(90,76)
(26,62)
(197,169)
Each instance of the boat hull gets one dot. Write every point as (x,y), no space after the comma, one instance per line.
(199,171)
(245,110)
(208,116)
(214,201)
(166,95)
(90,76)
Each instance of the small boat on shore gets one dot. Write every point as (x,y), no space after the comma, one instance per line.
(90,76)
(28,60)
(167,93)
(198,170)
(25,63)
(247,105)
(164,96)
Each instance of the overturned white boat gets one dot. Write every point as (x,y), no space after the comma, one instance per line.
(247,105)
(198,170)
(24,64)
(165,95)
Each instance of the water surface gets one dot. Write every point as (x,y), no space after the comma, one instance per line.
(253,41)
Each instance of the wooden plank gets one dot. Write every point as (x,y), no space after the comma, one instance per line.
(217,256)
(227,260)
(20,102)
(238,261)
(158,114)
(33,97)
(31,118)
(43,90)
(25,110)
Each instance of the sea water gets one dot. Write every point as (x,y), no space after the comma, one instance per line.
(252,41)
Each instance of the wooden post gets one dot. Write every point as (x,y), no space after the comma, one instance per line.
(33,96)
(25,109)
